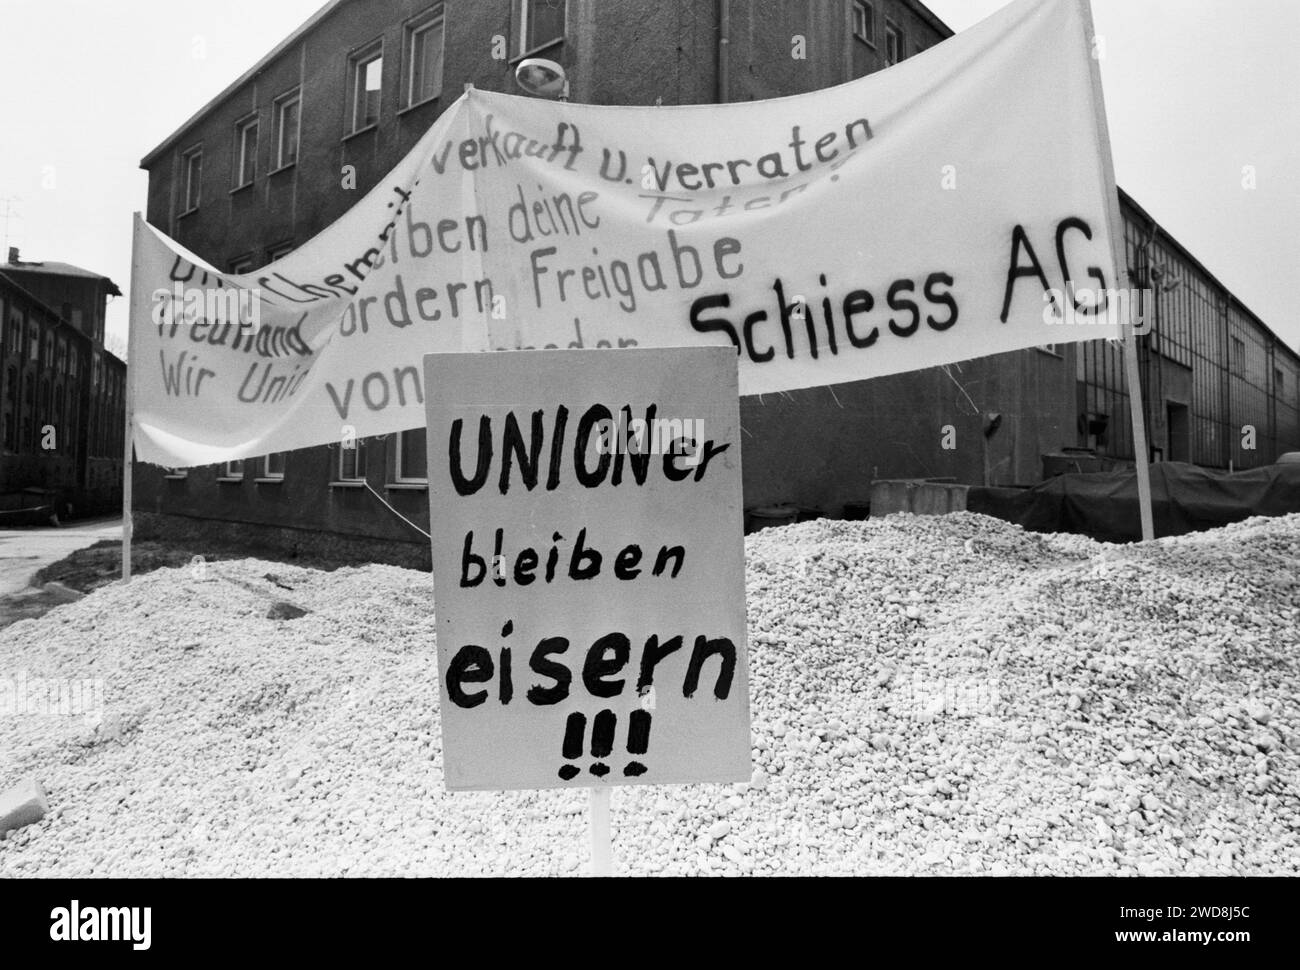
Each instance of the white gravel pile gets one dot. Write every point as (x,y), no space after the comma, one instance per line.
(930,696)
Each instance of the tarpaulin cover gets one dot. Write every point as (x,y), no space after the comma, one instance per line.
(1184,498)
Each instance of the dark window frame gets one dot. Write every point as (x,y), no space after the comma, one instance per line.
(358,62)
(242,126)
(869,17)
(522,26)
(432,18)
(278,107)
(895,31)
(191,182)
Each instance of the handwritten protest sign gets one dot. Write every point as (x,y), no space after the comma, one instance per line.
(588,567)
(956,205)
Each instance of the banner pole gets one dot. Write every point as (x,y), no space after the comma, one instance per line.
(128,443)
(602,844)
(1128,331)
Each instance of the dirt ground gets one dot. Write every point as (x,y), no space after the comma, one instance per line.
(86,570)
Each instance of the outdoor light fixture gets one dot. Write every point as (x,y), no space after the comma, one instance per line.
(542,78)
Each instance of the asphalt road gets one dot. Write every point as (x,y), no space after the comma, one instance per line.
(24,551)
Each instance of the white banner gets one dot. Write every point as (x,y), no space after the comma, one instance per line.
(957,205)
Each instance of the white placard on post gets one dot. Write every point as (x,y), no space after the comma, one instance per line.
(588,561)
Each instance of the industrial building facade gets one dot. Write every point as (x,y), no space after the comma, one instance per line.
(296,141)
(62,394)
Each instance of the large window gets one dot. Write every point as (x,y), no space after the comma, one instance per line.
(412,466)
(192,178)
(541,22)
(864,22)
(288,113)
(894,44)
(423,53)
(273,468)
(246,152)
(352,463)
(366,70)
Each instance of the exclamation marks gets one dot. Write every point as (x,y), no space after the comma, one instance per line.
(638,741)
(574,728)
(603,729)
(602,741)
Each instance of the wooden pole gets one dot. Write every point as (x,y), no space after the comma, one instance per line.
(137,306)
(1141,453)
(602,843)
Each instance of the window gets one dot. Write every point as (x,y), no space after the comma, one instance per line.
(232,471)
(894,44)
(412,467)
(541,22)
(242,264)
(78,318)
(176,474)
(367,68)
(864,22)
(288,113)
(245,152)
(1278,380)
(273,467)
(34,336)
(279,252)
(352,463)
(192,178)
(423,54)
(1238,351)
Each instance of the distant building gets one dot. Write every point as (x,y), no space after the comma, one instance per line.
(256,172)
(62,394)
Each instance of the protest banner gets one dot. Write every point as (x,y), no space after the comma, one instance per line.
(957,205)
(588,563)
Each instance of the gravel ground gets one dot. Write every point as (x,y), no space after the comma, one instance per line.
(930,696)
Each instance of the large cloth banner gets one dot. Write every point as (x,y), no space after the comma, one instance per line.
(957,205)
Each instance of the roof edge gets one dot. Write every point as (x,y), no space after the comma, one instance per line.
(330,6)
(930,17)
(1170,239)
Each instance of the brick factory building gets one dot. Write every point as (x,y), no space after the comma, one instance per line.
(62,394)
(259,171)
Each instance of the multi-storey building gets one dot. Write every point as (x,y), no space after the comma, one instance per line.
(261,169)
(62,394)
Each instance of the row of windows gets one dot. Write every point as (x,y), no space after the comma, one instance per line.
(864,29)
(409,464)
(422,81)
(56,402)
(541,23)
(53,353)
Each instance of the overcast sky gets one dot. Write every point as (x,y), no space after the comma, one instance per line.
(1196,90)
